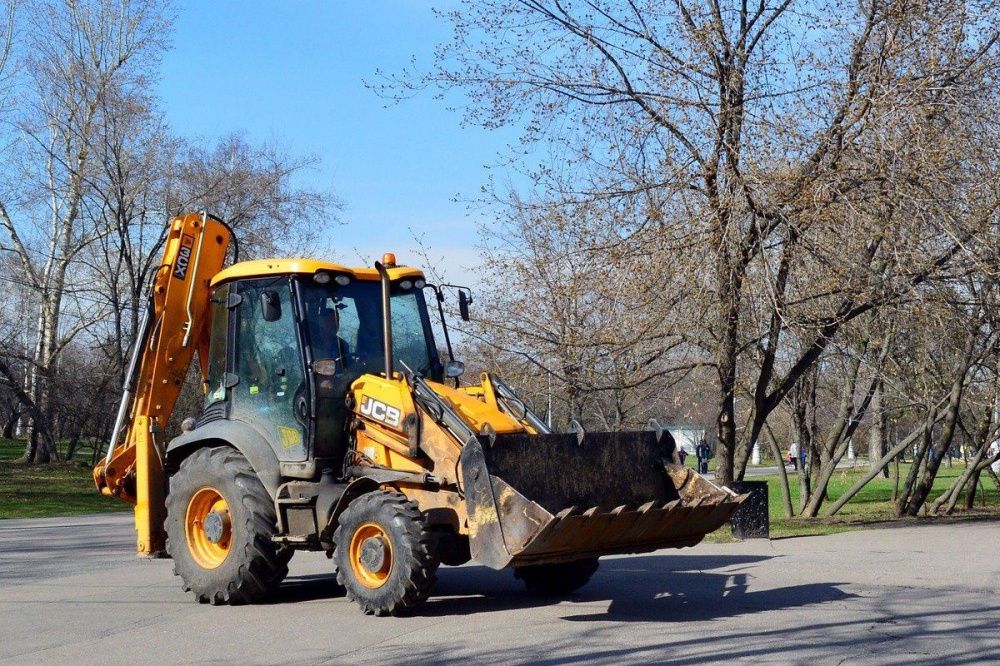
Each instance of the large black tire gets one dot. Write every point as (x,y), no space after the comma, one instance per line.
(385,554)
(253,565)
(557,579)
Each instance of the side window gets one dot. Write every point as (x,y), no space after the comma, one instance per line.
(269,365)
(350,323)
(215,388)
(409,342)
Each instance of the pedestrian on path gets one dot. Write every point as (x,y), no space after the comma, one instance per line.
(704,453)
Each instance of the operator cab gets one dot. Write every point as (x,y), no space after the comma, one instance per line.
(289,337)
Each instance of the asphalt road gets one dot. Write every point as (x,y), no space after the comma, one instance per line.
(72,592)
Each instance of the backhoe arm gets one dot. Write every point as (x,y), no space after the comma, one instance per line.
(175,324)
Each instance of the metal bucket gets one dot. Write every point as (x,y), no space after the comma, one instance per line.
(547,498)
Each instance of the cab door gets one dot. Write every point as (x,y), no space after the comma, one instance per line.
(270,393)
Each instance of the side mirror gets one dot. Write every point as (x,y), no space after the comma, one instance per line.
(463,305)
(270,305)
(453,369)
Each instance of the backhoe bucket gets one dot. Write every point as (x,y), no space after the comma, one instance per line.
(534,499)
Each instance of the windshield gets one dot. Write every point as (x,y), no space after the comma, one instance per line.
(345,325)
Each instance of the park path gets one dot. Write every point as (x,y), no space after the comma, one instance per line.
(72,592)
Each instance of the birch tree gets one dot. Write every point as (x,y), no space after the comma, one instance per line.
(75,56)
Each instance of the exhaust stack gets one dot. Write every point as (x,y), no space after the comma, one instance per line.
(388,261)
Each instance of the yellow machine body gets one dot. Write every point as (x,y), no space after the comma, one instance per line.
(474,459)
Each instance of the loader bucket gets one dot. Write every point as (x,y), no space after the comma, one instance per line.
(533,499)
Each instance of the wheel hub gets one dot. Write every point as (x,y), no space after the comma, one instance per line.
(217,526)
(373,553)
(208,528)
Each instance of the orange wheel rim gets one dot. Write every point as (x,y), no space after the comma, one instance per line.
(208,527)
(371,555)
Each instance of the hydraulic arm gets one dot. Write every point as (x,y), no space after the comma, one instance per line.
(174,326)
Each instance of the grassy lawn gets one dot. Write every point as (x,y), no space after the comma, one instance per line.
(62,489)
(57,489)
(872,507)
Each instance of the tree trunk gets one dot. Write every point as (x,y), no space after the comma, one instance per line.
(877,435)
(786,498)
(970,497)
(8,428)
(726,426)
(74,441)
(918,461)
(937,452)
(895,479)
(886,459)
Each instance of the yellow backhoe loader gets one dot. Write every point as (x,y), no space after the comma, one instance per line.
(331,423)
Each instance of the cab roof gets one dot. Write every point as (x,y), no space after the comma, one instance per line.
(298,266)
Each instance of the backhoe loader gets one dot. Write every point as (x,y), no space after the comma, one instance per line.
(332,423)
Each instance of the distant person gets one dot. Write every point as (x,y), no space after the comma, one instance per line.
(682,454)
(703,452)
(793,453)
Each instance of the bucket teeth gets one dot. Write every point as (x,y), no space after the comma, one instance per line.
(646,528)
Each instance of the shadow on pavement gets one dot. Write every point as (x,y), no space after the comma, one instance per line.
(307,588)
(667,588)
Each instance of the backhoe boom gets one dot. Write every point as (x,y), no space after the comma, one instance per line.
(174,326)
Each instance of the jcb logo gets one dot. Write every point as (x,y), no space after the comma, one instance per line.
(183,257)
(380,411)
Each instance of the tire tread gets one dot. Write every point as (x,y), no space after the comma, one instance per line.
(263,565)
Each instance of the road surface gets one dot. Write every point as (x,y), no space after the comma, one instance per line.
(72,592)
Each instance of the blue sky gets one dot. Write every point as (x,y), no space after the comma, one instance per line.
(292,73)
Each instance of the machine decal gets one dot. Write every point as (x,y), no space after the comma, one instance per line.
(380,411)
(183,257)
(289,436)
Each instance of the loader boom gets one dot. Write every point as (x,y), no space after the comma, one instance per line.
(174,326)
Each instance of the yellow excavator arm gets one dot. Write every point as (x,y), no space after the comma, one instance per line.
(174,326)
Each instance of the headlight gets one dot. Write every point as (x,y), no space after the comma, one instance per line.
(342,280)
(321,278)
(419,284)
(405,285)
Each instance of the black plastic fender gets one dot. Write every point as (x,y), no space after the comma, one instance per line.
(254,447)
(354,489)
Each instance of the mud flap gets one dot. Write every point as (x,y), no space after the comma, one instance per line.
(548,498)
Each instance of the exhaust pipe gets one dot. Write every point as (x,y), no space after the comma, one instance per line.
(386,312)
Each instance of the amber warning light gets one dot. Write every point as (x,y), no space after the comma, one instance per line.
(388,259)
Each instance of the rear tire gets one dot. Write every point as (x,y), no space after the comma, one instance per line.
(557,579)
(385,555)
(220,523)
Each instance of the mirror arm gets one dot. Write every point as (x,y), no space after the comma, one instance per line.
(444,326)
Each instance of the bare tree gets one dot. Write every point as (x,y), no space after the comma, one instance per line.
(254,189)
(76,55)
(803,161)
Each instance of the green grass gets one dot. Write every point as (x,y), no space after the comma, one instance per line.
(872,507)
(63,489)
(56,489)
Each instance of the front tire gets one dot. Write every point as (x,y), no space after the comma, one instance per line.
(557,579)
(220,524)
(385,555)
